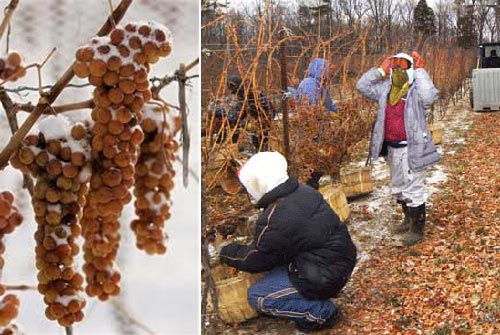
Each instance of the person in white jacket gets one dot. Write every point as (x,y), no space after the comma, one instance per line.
(403,90)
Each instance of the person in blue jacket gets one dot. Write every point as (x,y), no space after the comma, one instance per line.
(313,89)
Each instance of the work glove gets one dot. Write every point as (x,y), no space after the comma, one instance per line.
(214,252)
(334,116)
(386,65)
(418,62)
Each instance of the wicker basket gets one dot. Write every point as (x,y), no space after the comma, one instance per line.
(336,198)
(356,181)
(232,286)
(437,132)
(232,297)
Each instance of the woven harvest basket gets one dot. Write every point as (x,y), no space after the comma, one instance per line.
(232,286)
(232,297)
(437,132)
(356,181)
(337,200)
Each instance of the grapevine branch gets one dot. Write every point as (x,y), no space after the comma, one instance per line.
(157,85)
(45,87)
(20,287)
(10,111)
(160,83)
(8,15)
(39,70)
(60,108)
(130,319)
(193,174)
(45,101)
(186,141)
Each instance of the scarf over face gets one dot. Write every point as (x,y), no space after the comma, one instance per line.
(400,85)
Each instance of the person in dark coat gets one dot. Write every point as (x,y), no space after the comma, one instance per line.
(301,242)
(257,106)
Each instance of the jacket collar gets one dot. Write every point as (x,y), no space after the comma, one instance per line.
(279,191)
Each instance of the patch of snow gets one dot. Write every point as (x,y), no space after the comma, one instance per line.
(66,299)
(54,208)
(54,127)
(153,112)
(85,174)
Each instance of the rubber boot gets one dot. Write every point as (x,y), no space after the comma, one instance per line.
(403,226)
(417,223)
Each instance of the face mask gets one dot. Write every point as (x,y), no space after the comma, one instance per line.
(399,77)
(399,87)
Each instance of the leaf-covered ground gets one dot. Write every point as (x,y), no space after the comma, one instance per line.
(450,283)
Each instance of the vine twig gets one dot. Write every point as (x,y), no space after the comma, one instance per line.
(39,70)
(10,110)
(162,82)
(59,109)
(131,319)
(45,87)
(181,74)
(20,287)
(11,7)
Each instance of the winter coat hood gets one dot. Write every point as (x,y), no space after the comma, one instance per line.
(318,69)
(263,172)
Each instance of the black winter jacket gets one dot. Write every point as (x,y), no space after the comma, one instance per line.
(298,229)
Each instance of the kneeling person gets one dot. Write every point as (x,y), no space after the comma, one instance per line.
(301,242)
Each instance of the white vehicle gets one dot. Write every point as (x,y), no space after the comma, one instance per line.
(485,94)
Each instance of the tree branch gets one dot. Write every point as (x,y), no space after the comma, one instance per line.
(52,95)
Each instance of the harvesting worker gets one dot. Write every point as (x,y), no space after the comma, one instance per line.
(256,105)
(403,90)
(301,242)
(313,90)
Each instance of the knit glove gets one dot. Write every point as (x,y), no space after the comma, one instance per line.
(386,66)
(418,62)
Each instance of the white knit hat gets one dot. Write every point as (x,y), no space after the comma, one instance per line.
(263,172)
(410,71)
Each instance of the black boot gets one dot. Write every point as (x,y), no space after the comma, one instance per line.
(417,223)
(404,225)
(310,327)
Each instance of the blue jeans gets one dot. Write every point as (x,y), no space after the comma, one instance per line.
(275,295)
